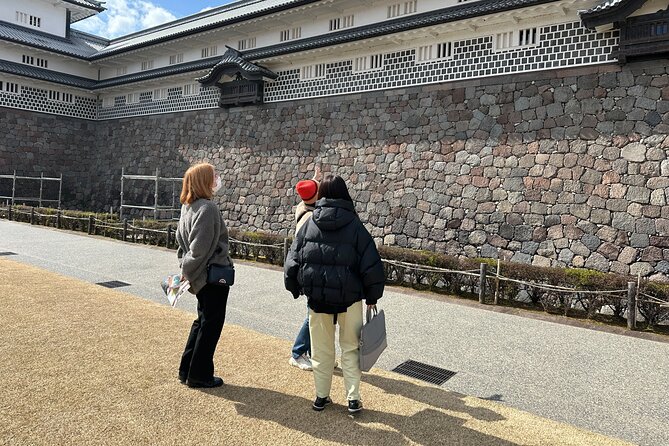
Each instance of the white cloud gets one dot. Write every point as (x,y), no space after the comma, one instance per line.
(124,17)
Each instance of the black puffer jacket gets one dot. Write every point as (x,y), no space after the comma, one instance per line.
(333,260)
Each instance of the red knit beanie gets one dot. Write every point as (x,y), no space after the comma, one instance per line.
(307,189)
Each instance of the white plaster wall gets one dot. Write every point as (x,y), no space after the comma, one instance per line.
(56,62)
(52,17)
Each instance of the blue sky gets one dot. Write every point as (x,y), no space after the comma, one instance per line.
(126,16)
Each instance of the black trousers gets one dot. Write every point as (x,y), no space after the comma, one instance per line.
(197,361)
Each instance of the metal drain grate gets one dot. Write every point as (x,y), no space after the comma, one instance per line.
(8,253)
(113,284)
(424,372)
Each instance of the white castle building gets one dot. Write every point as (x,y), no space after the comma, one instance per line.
(254,51)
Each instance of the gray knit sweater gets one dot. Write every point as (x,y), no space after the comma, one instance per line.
(203,239)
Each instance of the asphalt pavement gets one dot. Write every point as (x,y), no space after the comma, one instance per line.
(603,382)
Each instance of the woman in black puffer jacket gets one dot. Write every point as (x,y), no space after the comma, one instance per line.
(334,262)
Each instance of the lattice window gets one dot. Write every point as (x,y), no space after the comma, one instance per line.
(59,96)
(410,7)
(132,98)
(120,71)
(368,63)
(516,38)
(246,44)
(432,52)
(341,22)
(30,60)
(160,94)
(12,87)
(209,51)
(21,17)
(147,65)
(290,34)
(42,62)
(191,89)
(108,101)
(316,71)
(394,10)
(27,19)
(176,58)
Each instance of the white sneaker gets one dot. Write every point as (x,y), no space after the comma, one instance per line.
(302,362)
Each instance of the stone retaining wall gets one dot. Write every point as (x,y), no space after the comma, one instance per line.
(567,167)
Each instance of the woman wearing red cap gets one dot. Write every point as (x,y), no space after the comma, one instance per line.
(308,192)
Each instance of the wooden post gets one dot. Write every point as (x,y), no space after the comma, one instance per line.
(58,222)
(32,215)
(286,248)
(91,222)
(497,278)
(169,236)
(482,277)
(631,305)
(125,229)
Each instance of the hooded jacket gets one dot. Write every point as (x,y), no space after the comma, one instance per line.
(333,260)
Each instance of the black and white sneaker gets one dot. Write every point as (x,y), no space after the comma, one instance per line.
(320,403)
(354,406)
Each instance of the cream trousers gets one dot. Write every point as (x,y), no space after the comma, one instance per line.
(322,331)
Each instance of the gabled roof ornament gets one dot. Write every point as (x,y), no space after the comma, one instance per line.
(233,65)
(609,12)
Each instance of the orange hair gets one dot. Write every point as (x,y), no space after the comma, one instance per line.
(197,183)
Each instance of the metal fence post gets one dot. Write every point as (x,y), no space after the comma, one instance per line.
(631,305)
(32,215)
(169,236)
(91,222)
(9,212)
(58,222)
(125,229)
(482,279)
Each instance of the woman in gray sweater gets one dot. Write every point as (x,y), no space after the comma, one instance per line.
(203,239)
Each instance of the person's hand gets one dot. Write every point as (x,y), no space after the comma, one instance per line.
(371,307)
(318,175)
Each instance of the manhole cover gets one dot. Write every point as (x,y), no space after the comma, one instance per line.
(424,372)
(113,284)
(7,253)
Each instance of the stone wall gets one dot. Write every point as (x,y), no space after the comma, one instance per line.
(565,167)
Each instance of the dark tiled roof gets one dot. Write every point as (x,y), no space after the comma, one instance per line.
(79,44)
(91,84)
(91,4)
(157,34)
(46,75)
(232,62)
(198,65)
(445,15)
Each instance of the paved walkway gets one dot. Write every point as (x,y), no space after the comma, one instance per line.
(606,383)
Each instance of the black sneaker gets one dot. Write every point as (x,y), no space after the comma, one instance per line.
(214,382)
(354,406)
(320,403)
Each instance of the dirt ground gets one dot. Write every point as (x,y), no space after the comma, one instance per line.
(82,364)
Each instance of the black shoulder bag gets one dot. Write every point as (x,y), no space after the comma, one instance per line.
(221,274)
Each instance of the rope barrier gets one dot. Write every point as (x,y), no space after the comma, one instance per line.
(278,245)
